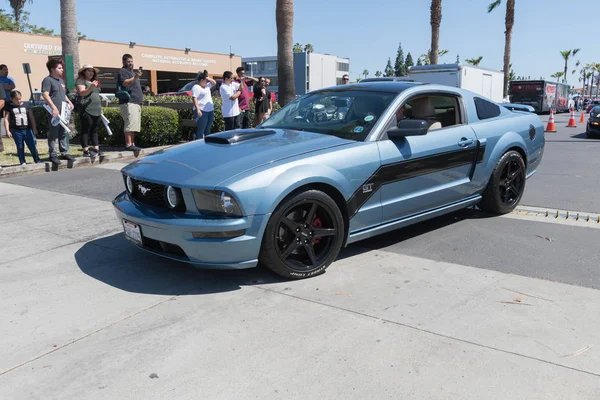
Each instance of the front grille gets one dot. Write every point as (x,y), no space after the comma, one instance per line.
(152,194)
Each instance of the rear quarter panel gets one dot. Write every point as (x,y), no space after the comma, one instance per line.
(510,130)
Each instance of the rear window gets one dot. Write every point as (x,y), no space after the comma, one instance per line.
(486,109)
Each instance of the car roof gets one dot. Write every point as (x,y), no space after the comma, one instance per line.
(385,86)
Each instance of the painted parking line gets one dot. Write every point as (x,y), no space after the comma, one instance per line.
(556,216)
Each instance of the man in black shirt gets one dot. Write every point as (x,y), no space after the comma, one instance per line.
(131,109)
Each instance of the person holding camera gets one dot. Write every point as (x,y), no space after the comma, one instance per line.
(204,109)
(230,91)
(88,87)
(129,93)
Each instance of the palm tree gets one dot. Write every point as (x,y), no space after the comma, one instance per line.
(17,6)
(566,54)
(284,17)
(557,75)
(591,67)
(298,48)
(378,74)
(509,22)
(366,73)
(435,21)
(68,31)
(474,61)
(309,48)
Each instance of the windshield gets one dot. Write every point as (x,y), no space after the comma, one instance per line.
(348,114)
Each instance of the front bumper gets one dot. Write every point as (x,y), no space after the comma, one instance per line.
(593,128)
(170,236)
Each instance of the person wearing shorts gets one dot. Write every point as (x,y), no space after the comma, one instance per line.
(131,109)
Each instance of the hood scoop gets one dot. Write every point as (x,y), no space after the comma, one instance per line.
(237,136)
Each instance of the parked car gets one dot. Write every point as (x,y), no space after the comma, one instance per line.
(593,125)
(591,105)
(309,180)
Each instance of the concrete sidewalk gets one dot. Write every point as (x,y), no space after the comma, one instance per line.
(88,316)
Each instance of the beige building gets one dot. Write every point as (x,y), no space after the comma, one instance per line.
(165,70)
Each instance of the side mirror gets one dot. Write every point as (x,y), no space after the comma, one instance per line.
(408,127)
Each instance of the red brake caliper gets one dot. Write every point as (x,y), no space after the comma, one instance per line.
(317,224)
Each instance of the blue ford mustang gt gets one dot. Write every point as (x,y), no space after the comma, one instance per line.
(333,167)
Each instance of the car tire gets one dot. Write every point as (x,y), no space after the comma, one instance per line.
(506,185)
(295,249)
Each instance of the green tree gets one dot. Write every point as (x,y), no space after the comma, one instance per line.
(474,61)
(298,48)
(309,48)
(457,59)
(284,18)
(426,58)
(435,20)
(366,73)
(409,62)
(419,62)
(378,74)
(557,75)
(566,54)
(389,70)
(509,23)
(512,75)
(399,67)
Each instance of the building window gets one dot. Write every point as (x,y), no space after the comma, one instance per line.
(339,81)
(345,67)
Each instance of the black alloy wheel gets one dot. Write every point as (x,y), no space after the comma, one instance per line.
(506,185)
(304,235)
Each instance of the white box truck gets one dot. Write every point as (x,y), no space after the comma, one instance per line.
(485,82)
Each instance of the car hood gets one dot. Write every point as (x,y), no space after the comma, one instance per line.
(208,162)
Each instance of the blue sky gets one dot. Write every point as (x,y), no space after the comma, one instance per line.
(368,32)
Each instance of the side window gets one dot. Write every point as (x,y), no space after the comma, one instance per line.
(486,109)
(440,111)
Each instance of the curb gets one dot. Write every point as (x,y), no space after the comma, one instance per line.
(47,166)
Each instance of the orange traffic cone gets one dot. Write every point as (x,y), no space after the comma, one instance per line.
(582,119)
(572,123)
(550,127)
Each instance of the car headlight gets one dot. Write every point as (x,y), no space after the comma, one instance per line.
(216,203)
(129,184)
(173,196)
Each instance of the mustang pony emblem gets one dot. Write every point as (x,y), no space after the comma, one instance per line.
(143,189)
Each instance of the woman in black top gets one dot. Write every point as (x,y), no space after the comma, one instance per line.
(19,123)
(261,102)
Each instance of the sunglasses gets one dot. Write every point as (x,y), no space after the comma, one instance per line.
(346,79)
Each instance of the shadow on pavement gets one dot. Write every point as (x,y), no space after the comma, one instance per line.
(413,231)
(118,263)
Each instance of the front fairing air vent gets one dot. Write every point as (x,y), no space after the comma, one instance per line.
(237,136)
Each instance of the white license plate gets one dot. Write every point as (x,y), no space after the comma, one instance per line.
(132,231)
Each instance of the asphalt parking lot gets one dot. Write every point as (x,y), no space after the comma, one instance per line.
(466,306)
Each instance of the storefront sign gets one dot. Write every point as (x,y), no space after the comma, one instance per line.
(43,49)
(197,62)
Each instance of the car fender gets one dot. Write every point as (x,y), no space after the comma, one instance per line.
(292,179)
(507,141)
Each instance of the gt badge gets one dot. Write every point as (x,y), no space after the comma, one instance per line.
(368,188)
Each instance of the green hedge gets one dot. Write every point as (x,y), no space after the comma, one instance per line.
(160,125)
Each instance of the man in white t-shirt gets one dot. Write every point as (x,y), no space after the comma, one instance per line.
(230,91)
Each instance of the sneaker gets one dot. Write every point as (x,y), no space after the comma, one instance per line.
(67,157)
(87,154)
(54,160)
(132,148)
(39,162)
(23,164)
(99,153)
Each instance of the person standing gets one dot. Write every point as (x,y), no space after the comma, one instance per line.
(261,102)
(2,103)
(204,109)
(230,91)
(345,79)
(269,97)
(19,123)
(88,88)
(54,93)
(6,85)
(131,108)
(244,99)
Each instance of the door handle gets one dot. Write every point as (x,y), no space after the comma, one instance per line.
(464,142)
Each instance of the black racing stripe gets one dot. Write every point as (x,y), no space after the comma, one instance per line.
(408,169)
